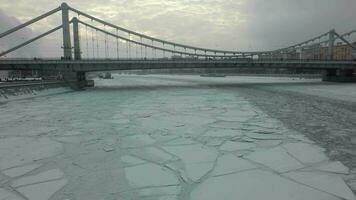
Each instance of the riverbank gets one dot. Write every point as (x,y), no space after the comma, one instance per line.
(24,90)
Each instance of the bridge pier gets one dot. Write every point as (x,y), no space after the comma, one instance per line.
(76,80)
(339,75)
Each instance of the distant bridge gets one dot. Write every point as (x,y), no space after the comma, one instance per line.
(124,49)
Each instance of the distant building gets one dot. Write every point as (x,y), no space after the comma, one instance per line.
(4,75)
(316,52)
(341,52)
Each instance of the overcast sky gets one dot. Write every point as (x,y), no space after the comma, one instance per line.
(222,24)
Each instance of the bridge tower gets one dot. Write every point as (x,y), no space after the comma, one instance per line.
(67,47)
(336,74)
(77,52)
(331,43)
(76,80)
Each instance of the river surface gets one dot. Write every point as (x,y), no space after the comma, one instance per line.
(181,137)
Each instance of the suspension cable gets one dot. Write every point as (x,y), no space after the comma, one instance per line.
(97,44)
(105,36)
(141,46)
(127,49)
(87,41)
(117,44)
(130,45)
(136,47)
(92,44)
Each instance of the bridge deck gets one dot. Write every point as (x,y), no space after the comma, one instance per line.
(133,64)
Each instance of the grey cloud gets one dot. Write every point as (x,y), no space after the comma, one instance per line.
(277,23)
(6,43)
(223,24)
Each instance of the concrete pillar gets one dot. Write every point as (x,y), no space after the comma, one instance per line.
(76,80)
(331,45)
(77,52)
(67,47)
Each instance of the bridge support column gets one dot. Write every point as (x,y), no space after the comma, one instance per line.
(77,52)
(76,80)
(330,55)
(67,47)
(339,75)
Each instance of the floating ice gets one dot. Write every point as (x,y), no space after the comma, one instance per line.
(180,141)
(229,163)
(235,146)
(20,150)
(136,141)
(7,195)
(255,185)
(69,139)
(276,158)
(328,183)
(334,167)
(19,171)
(41,177)
(223,133)
(198,159)
(226,125)
(154,154)
(42,191)
(195,171)
(150,175)
(132,160)
(264,136)
(40,186)
(193,153)
(306,153)
(159,191)
(237,115)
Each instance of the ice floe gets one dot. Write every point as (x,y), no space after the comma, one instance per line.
(150,175)
(229,163)
(329,183)
(235,146)
(306,153)
(255,185)
(21,150)
(276,158)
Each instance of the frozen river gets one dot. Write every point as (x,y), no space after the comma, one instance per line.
(177,137)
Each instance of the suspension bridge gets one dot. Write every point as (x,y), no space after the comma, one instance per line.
(123,49)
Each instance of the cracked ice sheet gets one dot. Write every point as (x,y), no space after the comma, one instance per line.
(132,160)
(193,153)
(160,191)
(229,163)
(171,122)
(198,159)
(306,153)
(334,167)
(328,183)
(223,133)
(21,150)
(276,158)
(255,185)
(150,175)
(136,141)
(8,195)
(42,191)
(18,171)
(153,154)
(235,146)
(40,186)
